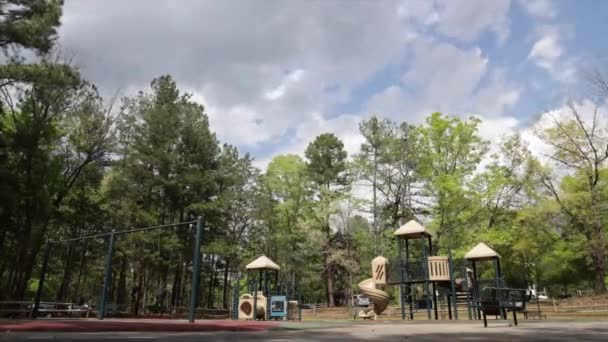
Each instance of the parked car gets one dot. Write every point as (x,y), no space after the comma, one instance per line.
(360,300)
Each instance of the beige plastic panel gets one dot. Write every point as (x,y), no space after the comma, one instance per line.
(379,270)
(439,268)
(246,306)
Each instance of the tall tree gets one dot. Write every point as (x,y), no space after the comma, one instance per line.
(581,146)
(378,134)
(29,24)
(327,169)
(288,182)
(453,151)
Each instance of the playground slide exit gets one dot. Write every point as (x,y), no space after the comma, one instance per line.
(377,296)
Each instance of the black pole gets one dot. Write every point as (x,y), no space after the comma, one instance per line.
(277,288)
(428,273)
(255,299)
(468,289)
(267,294)
(409,283)
(498,271)
(401,279)
(435,301)
(453,286)
(498,283)
(45,264)
(449,307)
(260,289)
(475,290)
(427,290)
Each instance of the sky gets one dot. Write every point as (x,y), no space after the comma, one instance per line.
(274,74)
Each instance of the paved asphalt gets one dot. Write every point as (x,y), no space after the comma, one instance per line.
(368,331)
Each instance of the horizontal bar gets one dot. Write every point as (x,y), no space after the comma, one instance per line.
(154,227)
(124,232)
(80,238)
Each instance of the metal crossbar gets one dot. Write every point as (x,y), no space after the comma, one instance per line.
(124,232)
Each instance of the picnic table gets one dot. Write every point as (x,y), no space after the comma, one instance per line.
(498,301)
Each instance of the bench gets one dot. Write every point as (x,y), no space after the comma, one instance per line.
(534,313)
(498,301)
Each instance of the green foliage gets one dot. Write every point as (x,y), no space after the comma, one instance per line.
(326,160)
(71,165)
(453,151)
(29,23)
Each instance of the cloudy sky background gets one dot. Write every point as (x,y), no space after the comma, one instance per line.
(274,74)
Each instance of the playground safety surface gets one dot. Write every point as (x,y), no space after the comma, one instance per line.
(317,331)
(141,325)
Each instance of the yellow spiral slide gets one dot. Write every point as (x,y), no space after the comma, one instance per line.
(377,296)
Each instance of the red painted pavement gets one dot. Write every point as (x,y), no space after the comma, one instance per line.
(133,325)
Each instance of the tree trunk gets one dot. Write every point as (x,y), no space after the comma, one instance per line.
(597,242)
(140,286)
(81,267)
(66,281)
(175,289)
(329,272)
(226,289)
(599,258)
(121,293)
(144,291)
(211,283)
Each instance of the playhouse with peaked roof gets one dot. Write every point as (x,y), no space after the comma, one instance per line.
(269,300)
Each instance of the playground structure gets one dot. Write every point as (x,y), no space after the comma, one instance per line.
(268,302)
(491,296)
(417,268)
(104,304)
(412,269)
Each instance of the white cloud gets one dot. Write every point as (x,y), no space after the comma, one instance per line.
(497,97)
(546,52)
(236,54)
(542,9)
(345,127)
(444,74)
(263,70)
(445,78)
(467,20)
(549,53)
(279,91)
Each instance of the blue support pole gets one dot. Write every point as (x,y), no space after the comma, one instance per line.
(196,269)
(107,277)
